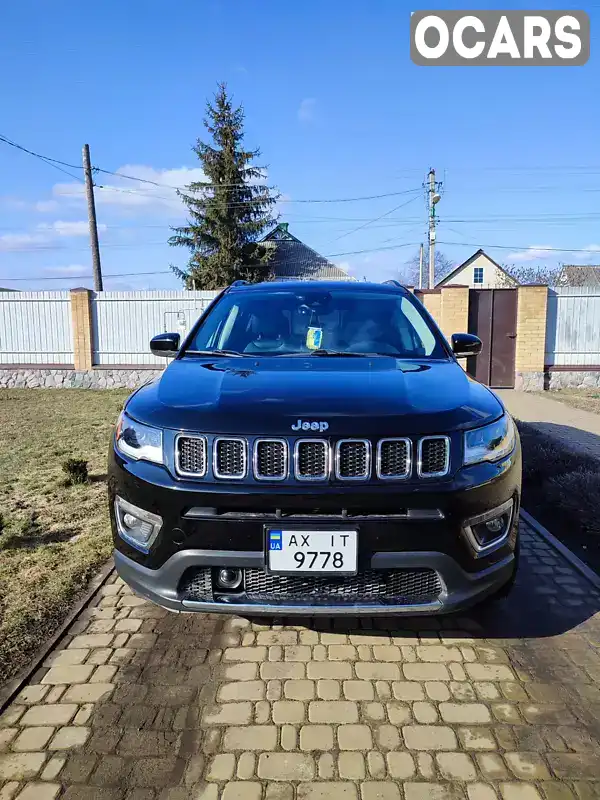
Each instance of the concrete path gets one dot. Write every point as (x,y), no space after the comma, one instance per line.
(578,430)
(144,705)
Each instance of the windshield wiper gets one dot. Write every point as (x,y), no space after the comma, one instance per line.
(322,351)
(213,353)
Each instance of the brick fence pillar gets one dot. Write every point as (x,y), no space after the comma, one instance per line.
(432,300)
(81,317)
(531,337)
(454,310)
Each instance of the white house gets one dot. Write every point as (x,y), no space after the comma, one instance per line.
(479,272)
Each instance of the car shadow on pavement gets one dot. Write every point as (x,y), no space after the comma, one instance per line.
(549,599)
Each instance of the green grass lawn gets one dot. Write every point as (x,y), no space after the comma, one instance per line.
(53,536)
(587,399)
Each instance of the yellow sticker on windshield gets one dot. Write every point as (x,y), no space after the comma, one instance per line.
(314,338)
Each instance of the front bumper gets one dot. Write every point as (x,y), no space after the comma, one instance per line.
(460,589)
(223,526)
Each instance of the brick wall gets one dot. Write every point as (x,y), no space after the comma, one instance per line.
(432,300)
(531,337)
(82,329)
(454,310)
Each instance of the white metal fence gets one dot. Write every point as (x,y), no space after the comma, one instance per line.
(124,322)
(35,328)
(573,327)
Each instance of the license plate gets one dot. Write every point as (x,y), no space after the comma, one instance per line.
(323,552)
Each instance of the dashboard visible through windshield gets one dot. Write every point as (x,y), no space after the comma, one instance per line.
(339,322)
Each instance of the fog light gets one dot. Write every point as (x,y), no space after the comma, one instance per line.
(136,526)
(229,578)
(489,531)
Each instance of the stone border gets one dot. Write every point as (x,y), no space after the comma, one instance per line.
(575,562)
(65,378)
(572,378)
(11,689)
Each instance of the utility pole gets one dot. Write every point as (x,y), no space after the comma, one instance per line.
(421,266)
(432,195)
(89,190)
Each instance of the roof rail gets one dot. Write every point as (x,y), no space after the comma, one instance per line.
(394,282)
(240,283)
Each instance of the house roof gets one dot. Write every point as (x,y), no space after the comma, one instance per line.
(579,275)
(294,260)
(470,260)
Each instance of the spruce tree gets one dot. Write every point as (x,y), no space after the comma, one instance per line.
(228,212)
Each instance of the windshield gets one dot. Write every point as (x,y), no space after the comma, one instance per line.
(338,322)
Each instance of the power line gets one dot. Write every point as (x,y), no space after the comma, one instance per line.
(53,162)
(527,247)
(88,277)
(169,186)
(376,219)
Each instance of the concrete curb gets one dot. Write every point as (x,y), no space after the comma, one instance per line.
(11,689)
(575,562)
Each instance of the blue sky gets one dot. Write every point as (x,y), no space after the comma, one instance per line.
(338,109)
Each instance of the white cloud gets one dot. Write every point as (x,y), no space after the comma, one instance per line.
(45,206)
(45,236)
(134,194)
(64,228)
(307,110)
(546,252)
(71,269)
(533,253)
(14,242)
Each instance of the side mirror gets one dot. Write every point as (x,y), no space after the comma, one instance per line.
(466,344)
(165,344)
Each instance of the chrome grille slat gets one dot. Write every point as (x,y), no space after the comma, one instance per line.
(434,456)
(353,459)
(270,460)
(230,457)
(190,456)
(394,458)
(311,460)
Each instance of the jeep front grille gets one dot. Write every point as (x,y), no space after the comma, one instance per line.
(353,459)
(311,460)
(434,456)
(270,459)
(229,458)
(394,458)
(190,456)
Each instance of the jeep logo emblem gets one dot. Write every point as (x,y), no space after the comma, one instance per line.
(303,425)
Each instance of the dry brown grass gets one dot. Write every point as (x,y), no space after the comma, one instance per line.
(586,399)
(53,536)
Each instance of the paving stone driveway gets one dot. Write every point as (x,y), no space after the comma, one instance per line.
(142,704)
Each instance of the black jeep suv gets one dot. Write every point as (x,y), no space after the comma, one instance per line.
(315,448)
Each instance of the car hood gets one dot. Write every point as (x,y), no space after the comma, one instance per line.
(354,396)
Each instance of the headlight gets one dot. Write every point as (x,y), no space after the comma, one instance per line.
(139,441)
(491,442)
